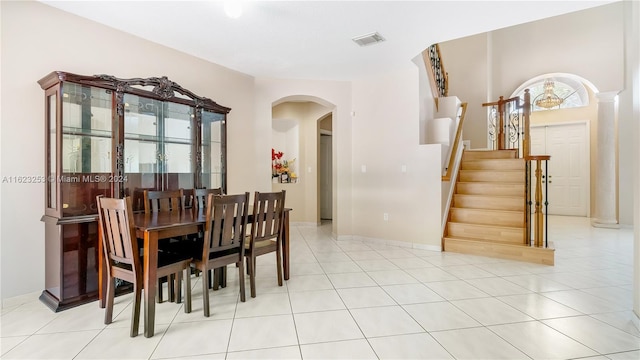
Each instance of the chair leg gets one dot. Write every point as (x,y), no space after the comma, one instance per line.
(171,286)
(177,286)
(159,291)
(205,292)
(108,309)
(135,315)
(279,264)
(252,276)
(216,278)
(240,265)
(187,290)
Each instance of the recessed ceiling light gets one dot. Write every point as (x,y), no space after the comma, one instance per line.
(233,9)
(368,39)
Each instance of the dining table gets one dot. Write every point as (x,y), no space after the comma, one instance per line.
(153,227)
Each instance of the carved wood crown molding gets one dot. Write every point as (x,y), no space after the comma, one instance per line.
(163,88)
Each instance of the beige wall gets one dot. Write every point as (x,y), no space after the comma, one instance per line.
(302,196)
(384,139)
(37,39)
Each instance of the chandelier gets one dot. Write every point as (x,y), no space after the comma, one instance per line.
(549,99)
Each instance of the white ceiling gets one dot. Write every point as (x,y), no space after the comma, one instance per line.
(312,39)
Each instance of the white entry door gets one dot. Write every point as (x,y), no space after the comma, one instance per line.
(568,169)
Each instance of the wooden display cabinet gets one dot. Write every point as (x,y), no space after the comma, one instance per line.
(114,137)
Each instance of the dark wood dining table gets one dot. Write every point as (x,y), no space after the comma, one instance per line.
(162,225)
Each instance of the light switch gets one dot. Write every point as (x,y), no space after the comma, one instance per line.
(363,168)
(403,168)
(309,169)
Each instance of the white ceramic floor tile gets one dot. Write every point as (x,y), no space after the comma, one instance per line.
(364,255)
(352,349)
(496,286)
(320,300)
(220,307)
(538,306)
(396,321)
(326,326)
(477,343)
(455,290)
(411,263)
(396,253)
(392,277)
(440,316)
(115,343)
(52,346)
(536,283)
(263,305)
(306,269)
(329,257)
(25,321)
(412,293)
(467,272)
(376,265)
(355,298)
(583,302)
(309,282)
(353,246)
(595,334)
(625,320)
(414,346)
(340,267)
(539,341)
(262,332)
(8,343)
(350,280)
(490,311)
(288,352)
(627,355)
(433,274)
(179,339)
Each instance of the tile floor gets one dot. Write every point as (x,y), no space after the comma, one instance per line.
(355,300)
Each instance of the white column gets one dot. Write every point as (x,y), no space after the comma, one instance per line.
(606,214)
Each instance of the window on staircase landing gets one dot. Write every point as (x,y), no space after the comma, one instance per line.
(573,93)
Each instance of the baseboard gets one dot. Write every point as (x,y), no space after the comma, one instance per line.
(402,244)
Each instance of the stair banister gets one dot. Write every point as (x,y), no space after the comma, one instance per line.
(456,143)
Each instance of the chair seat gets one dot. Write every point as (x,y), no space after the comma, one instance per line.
(261,244)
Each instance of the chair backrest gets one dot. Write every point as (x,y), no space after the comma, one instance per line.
(115,223)
(268,215)
(200,196)
(163,200)
(226,222)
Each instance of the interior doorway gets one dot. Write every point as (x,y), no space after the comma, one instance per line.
(325,170)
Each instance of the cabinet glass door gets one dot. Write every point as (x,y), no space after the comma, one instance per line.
(86,148)
(158,145)
(212,150)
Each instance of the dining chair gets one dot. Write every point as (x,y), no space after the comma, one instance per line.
(223,242)
(200,196)
(123,259)
(163,201)
(266,232)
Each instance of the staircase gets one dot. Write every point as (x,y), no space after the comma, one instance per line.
(487,215)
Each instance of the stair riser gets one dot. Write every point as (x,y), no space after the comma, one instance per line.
(487,217)
(490,189)
(519,253)
(488,202)
(492,176)
(479,155)
(498,234)
(498,164)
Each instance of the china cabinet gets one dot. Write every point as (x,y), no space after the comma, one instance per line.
(116,137)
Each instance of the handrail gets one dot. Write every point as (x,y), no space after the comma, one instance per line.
(456,143)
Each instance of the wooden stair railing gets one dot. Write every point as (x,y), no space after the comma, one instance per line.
(456,144)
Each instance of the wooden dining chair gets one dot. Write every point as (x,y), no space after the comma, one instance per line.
(200,196)
(164,201)
(266,232)
(123,260)
(224,236)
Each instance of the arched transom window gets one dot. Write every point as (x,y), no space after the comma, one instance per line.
(554,92)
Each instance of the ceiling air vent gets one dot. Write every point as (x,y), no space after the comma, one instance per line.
(368,39)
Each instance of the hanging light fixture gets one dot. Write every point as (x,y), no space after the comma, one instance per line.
(549,99)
